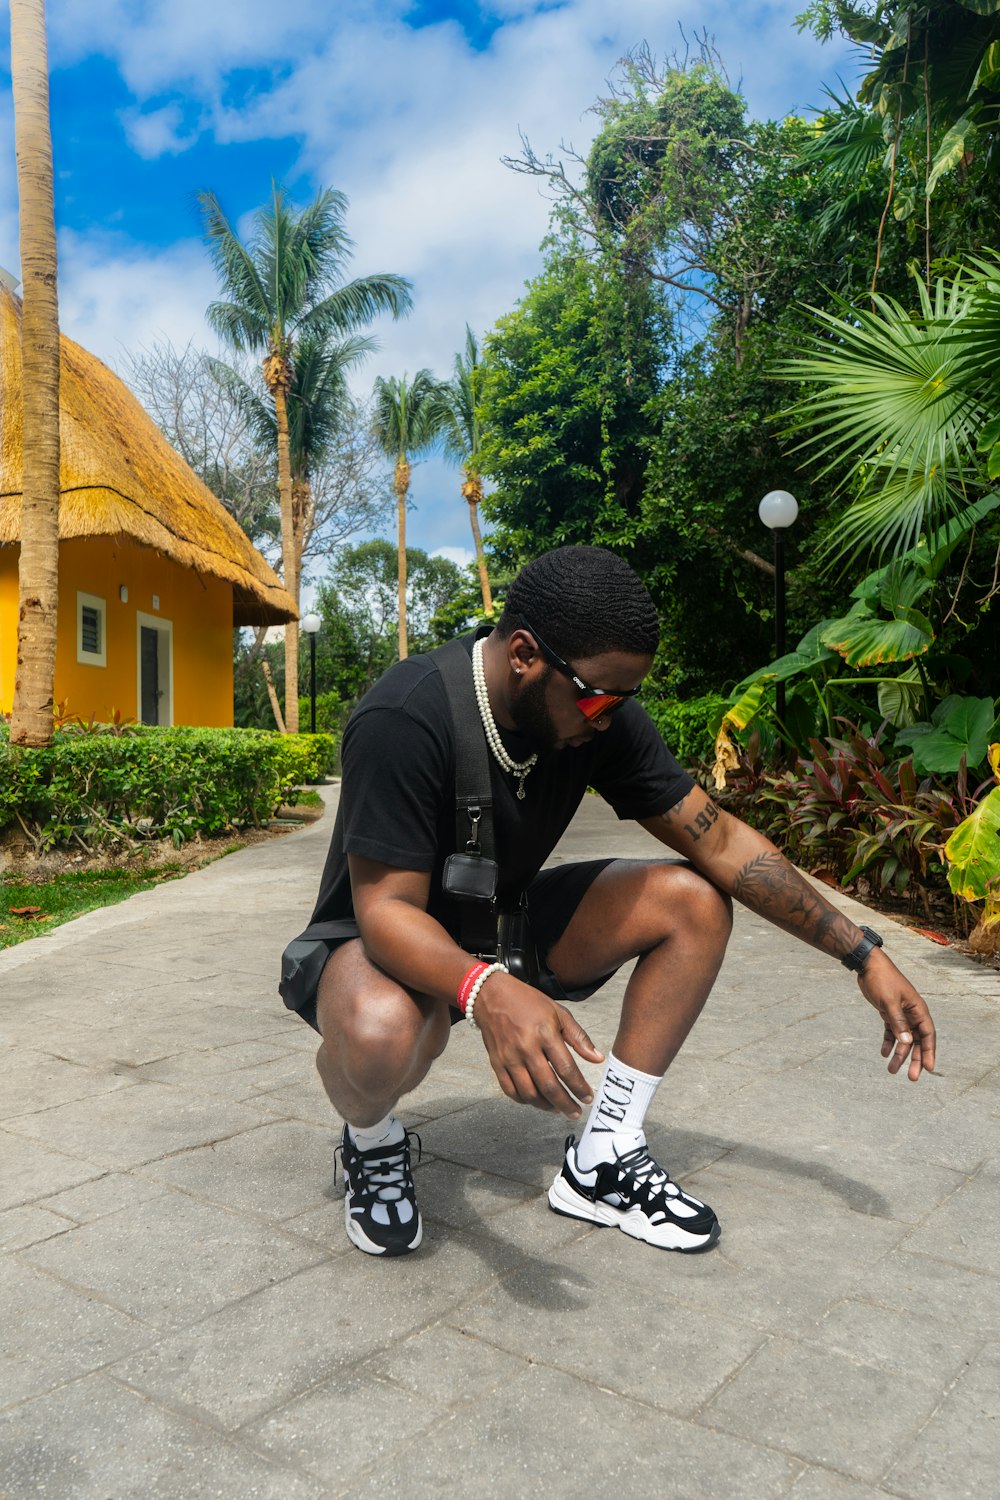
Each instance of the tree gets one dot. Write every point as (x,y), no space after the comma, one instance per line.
(568,374)
(337,486)
(931,95)
(462,440)
(407,420)
(284,286)
(38,567)
(206,421)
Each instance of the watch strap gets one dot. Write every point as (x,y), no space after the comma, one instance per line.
(859,956)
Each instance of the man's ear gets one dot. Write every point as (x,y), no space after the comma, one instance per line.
(521,651)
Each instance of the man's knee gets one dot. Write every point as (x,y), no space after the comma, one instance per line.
(375,1029)
(694,901)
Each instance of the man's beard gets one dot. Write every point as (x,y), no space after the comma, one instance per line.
(531,715)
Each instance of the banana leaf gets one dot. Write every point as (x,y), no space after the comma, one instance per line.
(973,851)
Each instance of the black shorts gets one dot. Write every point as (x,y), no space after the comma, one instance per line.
(553,897)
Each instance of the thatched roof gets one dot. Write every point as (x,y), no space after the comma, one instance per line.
(120,477)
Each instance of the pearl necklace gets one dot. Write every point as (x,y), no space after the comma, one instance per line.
(516,768)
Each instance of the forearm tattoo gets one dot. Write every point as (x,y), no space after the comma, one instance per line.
(772,887)
(702,822)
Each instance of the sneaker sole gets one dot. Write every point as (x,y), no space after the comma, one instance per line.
(565,1200)
(357,1237)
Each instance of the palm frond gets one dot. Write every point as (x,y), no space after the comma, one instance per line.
(894,407)
(239,276)
(408,414)
(256,410)
(357,303)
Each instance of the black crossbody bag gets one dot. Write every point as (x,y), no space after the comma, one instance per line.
(471,875)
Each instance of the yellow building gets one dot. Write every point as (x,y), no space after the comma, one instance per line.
(153,571)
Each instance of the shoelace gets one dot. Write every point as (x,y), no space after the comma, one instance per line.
(384,1176)
(650,1177)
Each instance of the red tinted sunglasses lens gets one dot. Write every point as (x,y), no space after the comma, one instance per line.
(595,706)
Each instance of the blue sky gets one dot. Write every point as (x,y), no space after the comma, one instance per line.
(406,107)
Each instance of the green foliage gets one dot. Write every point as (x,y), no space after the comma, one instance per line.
(95,790)
(331,714)
(568,374)
(973,851)
(689,726)
(852,810)
(357,603)
(959,730)
(288,282)
(409,415)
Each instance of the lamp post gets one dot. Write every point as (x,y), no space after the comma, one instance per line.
(778,511)
(310,624)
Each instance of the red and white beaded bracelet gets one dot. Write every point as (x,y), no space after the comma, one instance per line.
(473,982)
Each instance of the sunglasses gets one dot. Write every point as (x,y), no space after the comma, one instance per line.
(592,702)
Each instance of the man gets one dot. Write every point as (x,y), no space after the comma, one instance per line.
(556,684)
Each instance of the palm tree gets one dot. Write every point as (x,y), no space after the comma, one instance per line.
(903,410)
(462,437)
(318,408)
(408,419)
(285,285)
(38,567)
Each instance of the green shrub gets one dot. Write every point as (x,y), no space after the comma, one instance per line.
(99,789)
(302,758)
(332,713)
(689,728)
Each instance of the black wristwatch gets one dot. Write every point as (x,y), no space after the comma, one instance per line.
(859,956)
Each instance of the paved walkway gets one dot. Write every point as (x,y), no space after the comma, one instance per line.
(182,1316)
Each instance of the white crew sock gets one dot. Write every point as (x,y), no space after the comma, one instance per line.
(617,1114)
(386,1132)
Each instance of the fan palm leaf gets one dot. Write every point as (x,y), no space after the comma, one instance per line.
(895,406)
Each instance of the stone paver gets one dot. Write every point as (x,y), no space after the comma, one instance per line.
(184,1318)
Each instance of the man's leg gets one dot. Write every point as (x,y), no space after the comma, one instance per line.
(378,1044)
(678,924)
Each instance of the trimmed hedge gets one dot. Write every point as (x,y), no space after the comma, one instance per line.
(100,789)
(688,728)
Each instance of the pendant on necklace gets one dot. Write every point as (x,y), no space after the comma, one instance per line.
(520,790)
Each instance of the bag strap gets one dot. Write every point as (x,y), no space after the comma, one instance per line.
(473,788)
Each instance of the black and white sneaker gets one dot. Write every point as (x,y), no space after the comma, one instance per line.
(380,1201)
(637,1195)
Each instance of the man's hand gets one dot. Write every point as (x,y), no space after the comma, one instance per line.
(528,1037)
(908,1031)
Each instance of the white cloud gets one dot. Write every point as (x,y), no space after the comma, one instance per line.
(158,132)
(460,556)
(115,296)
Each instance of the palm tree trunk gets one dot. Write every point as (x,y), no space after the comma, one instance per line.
(472,489)
(303,509)
(38,568)
(289,553)
(402,485)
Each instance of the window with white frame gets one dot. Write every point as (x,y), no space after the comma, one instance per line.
(91,630)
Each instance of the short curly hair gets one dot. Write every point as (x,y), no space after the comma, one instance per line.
(584,601)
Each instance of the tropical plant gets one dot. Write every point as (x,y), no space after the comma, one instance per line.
(462,439)
(38,567)
(927,110)
(284,286)
(973,850)
(408,419)
(899,408)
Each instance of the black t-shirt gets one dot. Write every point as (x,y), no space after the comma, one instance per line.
(397,803)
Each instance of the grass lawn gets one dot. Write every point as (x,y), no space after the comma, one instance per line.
(60,897)
(69,895)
